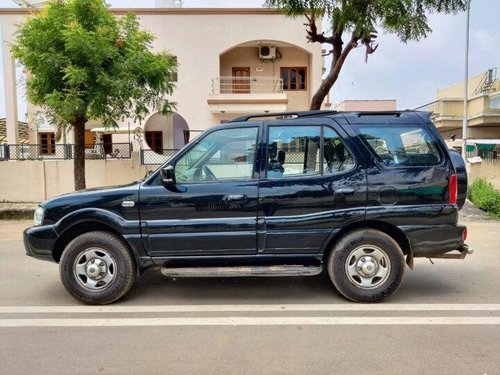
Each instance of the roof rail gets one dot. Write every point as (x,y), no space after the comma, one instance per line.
(380,113)
(296,114)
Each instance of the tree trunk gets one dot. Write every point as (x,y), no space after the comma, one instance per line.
(79,157)
(335,68)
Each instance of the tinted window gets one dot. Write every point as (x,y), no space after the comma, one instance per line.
(293,150)
(401,145)
(337,156)
(221,155)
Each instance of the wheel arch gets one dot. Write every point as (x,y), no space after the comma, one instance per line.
(79,228)
(389,229)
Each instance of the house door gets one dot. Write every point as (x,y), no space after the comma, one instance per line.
(241,80)
(47,143)
(107,141)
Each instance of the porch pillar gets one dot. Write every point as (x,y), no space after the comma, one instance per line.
(10,89)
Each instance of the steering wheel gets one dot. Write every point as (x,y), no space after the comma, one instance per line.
(209,174)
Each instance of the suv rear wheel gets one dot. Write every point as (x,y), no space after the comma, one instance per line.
(97,268)
(366,265)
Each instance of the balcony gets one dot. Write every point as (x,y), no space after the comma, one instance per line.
(247,94)
(448,112)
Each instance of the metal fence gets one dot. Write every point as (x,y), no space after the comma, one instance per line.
(150,157)
(108,151)
(491,154)
(64,151)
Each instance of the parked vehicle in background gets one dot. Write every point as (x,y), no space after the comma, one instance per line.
(355,193)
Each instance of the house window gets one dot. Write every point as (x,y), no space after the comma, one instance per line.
(154,139)
(47,143)
(294,78)
(174,76)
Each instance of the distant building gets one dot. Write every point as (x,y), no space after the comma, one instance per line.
(483,109)
(23,131)
(366,105)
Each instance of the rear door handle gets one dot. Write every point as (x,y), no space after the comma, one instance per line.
(345,191)
(235,198)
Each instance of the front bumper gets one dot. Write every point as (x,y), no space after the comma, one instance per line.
(39,242)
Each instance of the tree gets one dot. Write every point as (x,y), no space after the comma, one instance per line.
(84,63)
(359,21)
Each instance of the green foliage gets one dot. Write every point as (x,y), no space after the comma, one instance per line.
(85,64)
(405,18)
(485,196)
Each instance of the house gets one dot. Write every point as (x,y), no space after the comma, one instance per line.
(483,108)
(232,61)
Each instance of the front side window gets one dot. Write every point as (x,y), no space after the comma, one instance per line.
(396,145)
(225,154)
(293,150)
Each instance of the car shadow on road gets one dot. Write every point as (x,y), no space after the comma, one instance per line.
(153,286)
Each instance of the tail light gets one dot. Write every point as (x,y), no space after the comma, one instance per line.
(453,189)
(464,234)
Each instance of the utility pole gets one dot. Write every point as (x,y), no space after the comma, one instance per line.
(466,81)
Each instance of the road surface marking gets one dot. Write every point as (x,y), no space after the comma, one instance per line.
(246,308)
(248,321)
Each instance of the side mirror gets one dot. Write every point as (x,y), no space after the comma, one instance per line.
(168,175)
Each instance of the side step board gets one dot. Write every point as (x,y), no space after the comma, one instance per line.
(245,271)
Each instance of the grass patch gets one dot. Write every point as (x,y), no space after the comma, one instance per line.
(485,196)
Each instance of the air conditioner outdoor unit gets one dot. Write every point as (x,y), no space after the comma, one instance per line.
(267,52)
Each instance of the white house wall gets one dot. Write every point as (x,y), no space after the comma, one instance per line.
(197,37)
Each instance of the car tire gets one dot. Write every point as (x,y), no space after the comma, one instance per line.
(97,268)
(366,265)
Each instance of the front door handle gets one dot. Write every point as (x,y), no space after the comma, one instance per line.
(234,198)
(345,191)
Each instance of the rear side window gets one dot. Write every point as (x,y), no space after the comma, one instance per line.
(401,145)
(293,151)
(296,150)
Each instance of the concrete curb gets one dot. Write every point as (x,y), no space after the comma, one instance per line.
(16,213)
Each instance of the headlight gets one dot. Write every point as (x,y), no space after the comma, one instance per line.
(38,217)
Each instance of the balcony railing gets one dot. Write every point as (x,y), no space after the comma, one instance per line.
(432,107)
(64,151)
(247,85)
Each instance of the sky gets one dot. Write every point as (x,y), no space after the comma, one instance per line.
(410,73)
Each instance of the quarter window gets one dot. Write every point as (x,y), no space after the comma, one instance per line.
(222,155)
(401,145)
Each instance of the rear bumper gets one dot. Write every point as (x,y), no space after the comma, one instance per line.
(429,241)
(39,242)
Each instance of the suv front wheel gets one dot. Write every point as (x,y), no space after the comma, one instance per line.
(97,268)
(366,265)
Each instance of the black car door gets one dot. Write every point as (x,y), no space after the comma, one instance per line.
(311,184)
(212,208)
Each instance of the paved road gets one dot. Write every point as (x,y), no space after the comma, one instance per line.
(444,319)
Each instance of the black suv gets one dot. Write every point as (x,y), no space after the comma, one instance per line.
(353,193)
